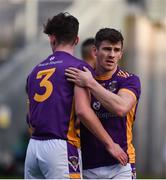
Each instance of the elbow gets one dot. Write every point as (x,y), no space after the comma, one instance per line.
(80,113)
(121,112)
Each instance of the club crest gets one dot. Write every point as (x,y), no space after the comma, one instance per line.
(73,162)
(112,86)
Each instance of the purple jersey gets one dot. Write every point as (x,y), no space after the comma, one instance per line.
(94,153)
(51,98)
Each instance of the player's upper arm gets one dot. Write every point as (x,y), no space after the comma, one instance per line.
(129,99)
(130,91)
(82,101)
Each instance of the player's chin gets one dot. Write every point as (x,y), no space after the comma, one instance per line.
(109,67)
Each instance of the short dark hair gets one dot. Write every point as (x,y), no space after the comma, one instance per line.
(64,26)
(85,47)
(108,34)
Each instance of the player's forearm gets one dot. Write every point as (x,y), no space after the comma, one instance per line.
(85,113)
(112,102)
(90,120)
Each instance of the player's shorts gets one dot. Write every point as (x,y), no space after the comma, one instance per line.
(52,159)
(111,172)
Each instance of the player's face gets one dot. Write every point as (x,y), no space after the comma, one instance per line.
(108,56)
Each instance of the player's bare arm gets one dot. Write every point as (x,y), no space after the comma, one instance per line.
(91,121)
(119,104)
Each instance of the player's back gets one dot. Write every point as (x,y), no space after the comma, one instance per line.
(51,98)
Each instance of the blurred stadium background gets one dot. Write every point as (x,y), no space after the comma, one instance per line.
(23,45)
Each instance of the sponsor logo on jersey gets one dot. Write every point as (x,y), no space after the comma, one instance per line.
(96,105)
(50,63)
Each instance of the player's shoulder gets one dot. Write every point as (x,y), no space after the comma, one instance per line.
(78,60)
(38,66)
(123,74)
(81,63)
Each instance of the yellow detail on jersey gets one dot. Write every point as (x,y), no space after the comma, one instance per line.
(103,78)
(130,147)
(129,91)
(123,74)
(44,83)
(75,176)
(72,132)
(78,132)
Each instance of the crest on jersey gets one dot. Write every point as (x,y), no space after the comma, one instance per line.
(73,162)
(112,86)
(96,105)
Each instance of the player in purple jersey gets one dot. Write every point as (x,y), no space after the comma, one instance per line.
(53,150)
(115,95)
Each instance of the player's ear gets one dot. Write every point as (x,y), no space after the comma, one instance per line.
(121,53)
(52,39)
(95,50)
(76,40)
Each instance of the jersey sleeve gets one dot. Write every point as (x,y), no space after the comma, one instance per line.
(132,83)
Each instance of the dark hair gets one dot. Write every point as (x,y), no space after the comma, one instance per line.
(85,47)
(64,26)
(108,34)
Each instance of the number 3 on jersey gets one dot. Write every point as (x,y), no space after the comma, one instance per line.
(45,82)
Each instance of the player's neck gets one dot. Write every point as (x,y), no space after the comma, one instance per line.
(91,62)
(67,48)
(102,72)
